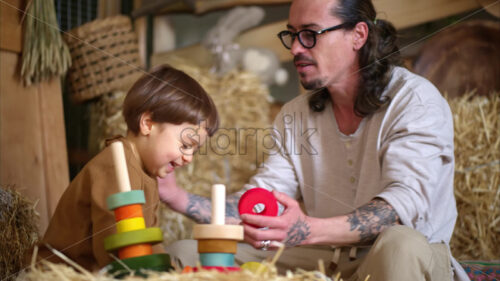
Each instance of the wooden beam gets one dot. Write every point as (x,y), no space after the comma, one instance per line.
(197,7)
(140,28)
(203,6)
(10,27)
(407,13)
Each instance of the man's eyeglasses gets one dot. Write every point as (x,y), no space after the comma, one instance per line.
(307,37)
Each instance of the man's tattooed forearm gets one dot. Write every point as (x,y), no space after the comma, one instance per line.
(373,218)
(298,233)
(199,208)
(232,207)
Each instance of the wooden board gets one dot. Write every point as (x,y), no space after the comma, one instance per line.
(10,29)
(402,14)
(197,7)
(33,155)
(53,140)
(140,28)
(406,13)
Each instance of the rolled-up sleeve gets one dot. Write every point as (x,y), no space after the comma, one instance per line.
(416,154)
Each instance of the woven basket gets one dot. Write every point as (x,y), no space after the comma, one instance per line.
(105,57)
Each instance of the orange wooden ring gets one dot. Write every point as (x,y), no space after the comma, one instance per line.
(217,246)
(129,211)
(135,251)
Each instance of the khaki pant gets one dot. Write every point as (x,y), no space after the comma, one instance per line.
(399,253)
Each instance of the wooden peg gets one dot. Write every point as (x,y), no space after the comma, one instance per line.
(120,166)
(218,204)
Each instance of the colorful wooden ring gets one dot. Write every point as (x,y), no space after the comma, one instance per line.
(217,246)
(256,196)
(215,231)
(125,198)
(223,269)
(254,267)
(217,259)
(127,212)
(156,262)
(141,236)
(135,251)
(130,225)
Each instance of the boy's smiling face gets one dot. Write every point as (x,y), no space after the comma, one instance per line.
(163,146)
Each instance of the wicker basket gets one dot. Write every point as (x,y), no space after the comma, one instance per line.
(105,57)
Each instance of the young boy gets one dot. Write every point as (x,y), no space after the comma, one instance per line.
(168,115)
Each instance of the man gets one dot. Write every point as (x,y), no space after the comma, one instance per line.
(369,151)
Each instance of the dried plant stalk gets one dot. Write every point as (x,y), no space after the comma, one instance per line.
(45,55)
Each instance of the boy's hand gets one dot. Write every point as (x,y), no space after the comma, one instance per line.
(168,188)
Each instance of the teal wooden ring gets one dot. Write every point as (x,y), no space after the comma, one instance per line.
(125,198)
(217,259)
(156,262)
(116,241)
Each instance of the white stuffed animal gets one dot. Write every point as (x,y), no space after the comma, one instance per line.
(265,64)
(228,54)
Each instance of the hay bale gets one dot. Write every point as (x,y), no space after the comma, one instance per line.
(106,119)
(18,231)
(47,271)
(477,176)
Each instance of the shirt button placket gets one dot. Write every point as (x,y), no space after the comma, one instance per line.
(350,162)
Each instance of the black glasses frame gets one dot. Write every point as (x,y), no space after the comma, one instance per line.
(314,33)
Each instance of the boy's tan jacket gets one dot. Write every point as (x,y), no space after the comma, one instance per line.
(82,221)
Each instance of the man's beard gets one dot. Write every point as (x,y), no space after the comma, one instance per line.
(311,85)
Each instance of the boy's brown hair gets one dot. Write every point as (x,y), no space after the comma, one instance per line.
(170,96)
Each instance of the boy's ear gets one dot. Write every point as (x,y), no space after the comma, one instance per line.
(145,123)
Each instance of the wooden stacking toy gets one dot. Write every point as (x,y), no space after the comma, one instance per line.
(132,240)
(217,242)
(258,201)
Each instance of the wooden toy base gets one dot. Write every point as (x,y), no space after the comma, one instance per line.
(215,231)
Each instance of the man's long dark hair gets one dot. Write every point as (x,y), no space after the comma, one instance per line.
(376,57)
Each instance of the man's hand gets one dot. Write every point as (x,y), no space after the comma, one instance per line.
(292,227)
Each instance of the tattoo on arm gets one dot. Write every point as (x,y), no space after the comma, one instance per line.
(298,233)
(199,208)
(232,206)
(373,218)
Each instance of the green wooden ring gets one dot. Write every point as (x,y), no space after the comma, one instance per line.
(156,262)
(116,241)
(125,198)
